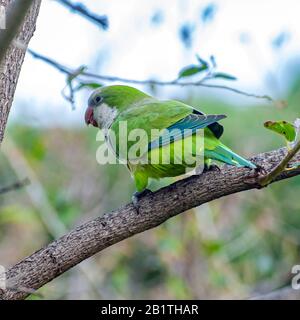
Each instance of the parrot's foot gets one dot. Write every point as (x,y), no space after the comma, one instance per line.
(260,170)
(255,177)
(211,167)
(137,197)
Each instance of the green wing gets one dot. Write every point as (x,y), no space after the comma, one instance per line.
(184,128)
(156,115)
(160,115)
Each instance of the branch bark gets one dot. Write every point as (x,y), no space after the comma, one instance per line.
(16,13)
(14,53)
(286,293)
(96,235)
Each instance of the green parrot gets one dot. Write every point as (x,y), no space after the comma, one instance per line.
(110,105)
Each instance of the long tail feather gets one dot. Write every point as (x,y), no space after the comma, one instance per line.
(224,154)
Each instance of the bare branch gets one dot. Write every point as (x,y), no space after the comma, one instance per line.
(176,82)
(51,62)
(97,235)
(79,8)
(15,186)
(17,11)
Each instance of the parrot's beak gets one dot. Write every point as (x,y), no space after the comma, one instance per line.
(89,117)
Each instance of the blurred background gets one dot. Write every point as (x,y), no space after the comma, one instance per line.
(236,247)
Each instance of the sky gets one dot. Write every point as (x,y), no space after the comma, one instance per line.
(240,35)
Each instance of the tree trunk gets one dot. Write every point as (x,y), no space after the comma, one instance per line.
(11,66)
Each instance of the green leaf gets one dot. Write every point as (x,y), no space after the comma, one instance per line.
(223,75)
(283,128)
(88,85)
(191,70)
(202,61)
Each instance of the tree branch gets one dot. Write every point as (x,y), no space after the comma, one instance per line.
(286,293)
(96,235)
(12,55)
(15,186)
(17,11)
(202,83)
(101,21)
(281,166)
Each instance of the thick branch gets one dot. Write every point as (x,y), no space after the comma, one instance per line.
(94,236)
(14,52)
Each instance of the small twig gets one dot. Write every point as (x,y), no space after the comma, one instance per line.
(102,21)
(15,186)
(268,178)
(178,83)
(16,14)
(51,62)
(175,82)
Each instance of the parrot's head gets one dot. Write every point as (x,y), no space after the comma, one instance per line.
(105,104)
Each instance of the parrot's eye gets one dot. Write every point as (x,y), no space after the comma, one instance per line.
(98,99)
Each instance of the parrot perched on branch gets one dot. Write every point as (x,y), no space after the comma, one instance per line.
(109,106)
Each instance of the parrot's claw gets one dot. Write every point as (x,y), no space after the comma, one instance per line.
(211,167)
(258,173)
(137,197)
(260,170)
